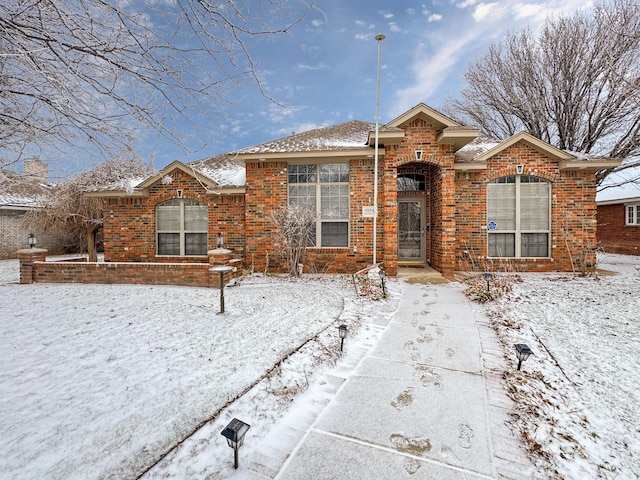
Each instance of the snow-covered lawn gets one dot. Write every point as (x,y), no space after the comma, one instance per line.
(579,395)
(100,381)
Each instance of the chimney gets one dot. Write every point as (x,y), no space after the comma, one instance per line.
(37,169)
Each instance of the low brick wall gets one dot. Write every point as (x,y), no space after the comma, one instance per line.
(185,274)
(34,269)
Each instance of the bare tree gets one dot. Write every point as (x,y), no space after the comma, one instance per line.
(293,227)
(67,211)
(575,85)
(91,71)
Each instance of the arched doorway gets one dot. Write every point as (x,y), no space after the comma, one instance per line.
(413,215)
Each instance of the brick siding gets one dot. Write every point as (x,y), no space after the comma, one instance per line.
(614,235)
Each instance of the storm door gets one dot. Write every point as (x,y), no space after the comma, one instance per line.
(412,246)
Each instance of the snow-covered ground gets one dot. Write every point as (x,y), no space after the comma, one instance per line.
(578,397)
(102,381)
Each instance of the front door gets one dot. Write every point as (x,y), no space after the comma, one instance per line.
(412,245)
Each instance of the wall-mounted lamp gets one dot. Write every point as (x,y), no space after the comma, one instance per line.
(179,193)
(342,332)
(32,240)
(418,155)
(519,169)
(523,352)
(234,433)
(219,240)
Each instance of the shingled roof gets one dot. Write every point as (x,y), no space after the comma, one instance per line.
(22,191)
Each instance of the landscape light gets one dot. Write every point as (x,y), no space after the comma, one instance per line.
(221,269)
(382,275)
(234,433)
(523,352)
(342,332)
(487,277)
(32,240)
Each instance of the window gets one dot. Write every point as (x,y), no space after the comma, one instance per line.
(411,182)
(323,189)
(181,226)
(633,214)
(518,214)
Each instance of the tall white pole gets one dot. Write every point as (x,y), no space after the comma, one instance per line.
(379,38)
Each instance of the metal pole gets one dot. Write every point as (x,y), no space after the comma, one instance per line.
(222,295)
(235,457)
(379,39)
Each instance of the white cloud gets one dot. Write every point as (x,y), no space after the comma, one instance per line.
(466,3)
(411,11)
(303,66)
(386,14)
(434,17)
(361,23)
(394,27)
(491,11)
(317,23)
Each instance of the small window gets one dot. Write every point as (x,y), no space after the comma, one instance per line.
(181,227)
(633,214)
(411,182)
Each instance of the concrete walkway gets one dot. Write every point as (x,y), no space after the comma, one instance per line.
(424,402)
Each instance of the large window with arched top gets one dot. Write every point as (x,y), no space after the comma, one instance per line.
(518,216)
(181,227)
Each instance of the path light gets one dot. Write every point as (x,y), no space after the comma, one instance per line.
(32,240)
(221,269)
(382,275)
(523,352)
(342,332)
(234,433)
(488,276)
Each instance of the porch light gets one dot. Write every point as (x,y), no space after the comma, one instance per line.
(219,240)
(221,269)
(234,433)
(32,240)
(523,352)
(519,169)
(342,333)
(418,155)
(488,276)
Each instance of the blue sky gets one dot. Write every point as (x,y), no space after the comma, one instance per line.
(324,71)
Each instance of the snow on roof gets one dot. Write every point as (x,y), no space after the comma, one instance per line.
(222,170)
(18,190)
(476,148)
(344,136)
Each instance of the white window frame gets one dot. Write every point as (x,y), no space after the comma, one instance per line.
(518,231)
(182,231)
(317,187)
(632,214)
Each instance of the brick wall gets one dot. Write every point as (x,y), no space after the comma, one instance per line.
(614,235)
(14,233)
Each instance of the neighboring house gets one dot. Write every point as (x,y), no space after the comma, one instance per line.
(619,225)
(20,193)
(446,198)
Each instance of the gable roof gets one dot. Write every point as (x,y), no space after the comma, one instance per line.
(476,154)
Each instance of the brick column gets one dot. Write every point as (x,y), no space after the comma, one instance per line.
(27,258)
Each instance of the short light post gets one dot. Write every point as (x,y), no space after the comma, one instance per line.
(488,276)
(523,352)
(221,269)
(234,433)
(382,276)
(342,332)
(32,240)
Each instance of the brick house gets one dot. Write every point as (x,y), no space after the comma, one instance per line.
(619,225)
(446,198)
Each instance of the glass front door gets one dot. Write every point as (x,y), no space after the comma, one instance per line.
(411,231)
